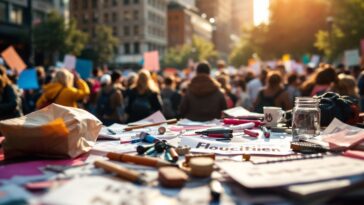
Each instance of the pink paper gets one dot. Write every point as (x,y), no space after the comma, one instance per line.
(151,61)
(344,139)
(32,167)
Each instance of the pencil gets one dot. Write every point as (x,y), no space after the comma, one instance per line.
(171,121)
(122,172)
(140,160)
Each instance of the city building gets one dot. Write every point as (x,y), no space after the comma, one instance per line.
(219,12)
(242,15)
(184,23)
(140,25)
(15,21)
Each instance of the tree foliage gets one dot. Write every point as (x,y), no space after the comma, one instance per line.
(198,50)
(291,29)
(54,37)
(104,44)
(348,28)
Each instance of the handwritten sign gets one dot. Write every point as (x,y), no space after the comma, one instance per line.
(352,57)
(259,148)
(13,60)
(151,61)
(28,79)
(69,62)
(84,68)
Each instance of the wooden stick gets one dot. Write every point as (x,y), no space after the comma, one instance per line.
(171,121)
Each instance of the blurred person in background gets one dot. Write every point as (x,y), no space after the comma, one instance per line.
(293,87)
(10,98)
(171,98)
(273,94)
(110,101)
(203,100)
(62,90)
(31,96)
(320,82)
(143,97)
(346,85)
(226,87)
(255,85)
(243,97)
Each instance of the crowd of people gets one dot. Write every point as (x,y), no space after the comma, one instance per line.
(200,95)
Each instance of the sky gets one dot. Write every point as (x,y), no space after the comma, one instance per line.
(261,12)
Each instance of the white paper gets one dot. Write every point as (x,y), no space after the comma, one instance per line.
(231,148)
(240,112)
(187,122)
(113,146)
(69,62)
(154,118)
(291,172)
(98,190)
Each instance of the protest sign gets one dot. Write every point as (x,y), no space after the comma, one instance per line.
(352,57)
(315,60)
(13,60)
(28,79)
(69,62)
(84,68)
(258,148)
(151,61)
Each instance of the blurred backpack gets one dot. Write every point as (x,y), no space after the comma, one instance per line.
(344,108)
(103,106)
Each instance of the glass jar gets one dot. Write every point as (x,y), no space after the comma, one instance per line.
(306,116)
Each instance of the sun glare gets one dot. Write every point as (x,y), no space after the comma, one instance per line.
(261,12)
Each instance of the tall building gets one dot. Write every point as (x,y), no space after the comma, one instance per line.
(219,13)
(140,25)
(242,15)
(184,23)
(15,21)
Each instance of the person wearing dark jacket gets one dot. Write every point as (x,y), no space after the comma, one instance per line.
(10,101)
(143,99)
(204,99)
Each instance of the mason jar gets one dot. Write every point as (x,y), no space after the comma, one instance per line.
(306,116)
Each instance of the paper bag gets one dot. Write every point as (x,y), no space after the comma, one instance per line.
(55,131)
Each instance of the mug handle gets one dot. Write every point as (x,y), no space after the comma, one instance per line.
(283,116)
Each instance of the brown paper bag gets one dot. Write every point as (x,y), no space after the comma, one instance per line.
(55,131)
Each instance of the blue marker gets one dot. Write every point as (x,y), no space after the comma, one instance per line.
(148,138)
(133,141)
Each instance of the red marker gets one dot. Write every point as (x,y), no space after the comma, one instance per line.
(231,121)
(251,133)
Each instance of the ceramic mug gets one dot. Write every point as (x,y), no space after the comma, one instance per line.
(273,115)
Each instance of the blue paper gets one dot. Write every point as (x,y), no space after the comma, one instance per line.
(14,194)
(28,79)
(84,68)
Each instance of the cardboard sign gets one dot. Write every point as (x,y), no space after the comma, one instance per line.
(84,68)
(352,57)
(151,61)
(69,62)
(28,79)
(13,60)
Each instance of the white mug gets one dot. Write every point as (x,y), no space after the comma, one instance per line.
(273,115)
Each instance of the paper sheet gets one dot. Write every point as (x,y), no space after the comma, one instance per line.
(230,148)
(292,172)
(153,118)
(99,190)
(339,135)
(240,112)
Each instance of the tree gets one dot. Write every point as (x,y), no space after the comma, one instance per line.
(198,50)
(104,44)
(347,29)
(53,37)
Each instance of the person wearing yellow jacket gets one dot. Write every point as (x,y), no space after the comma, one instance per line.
(62,91)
